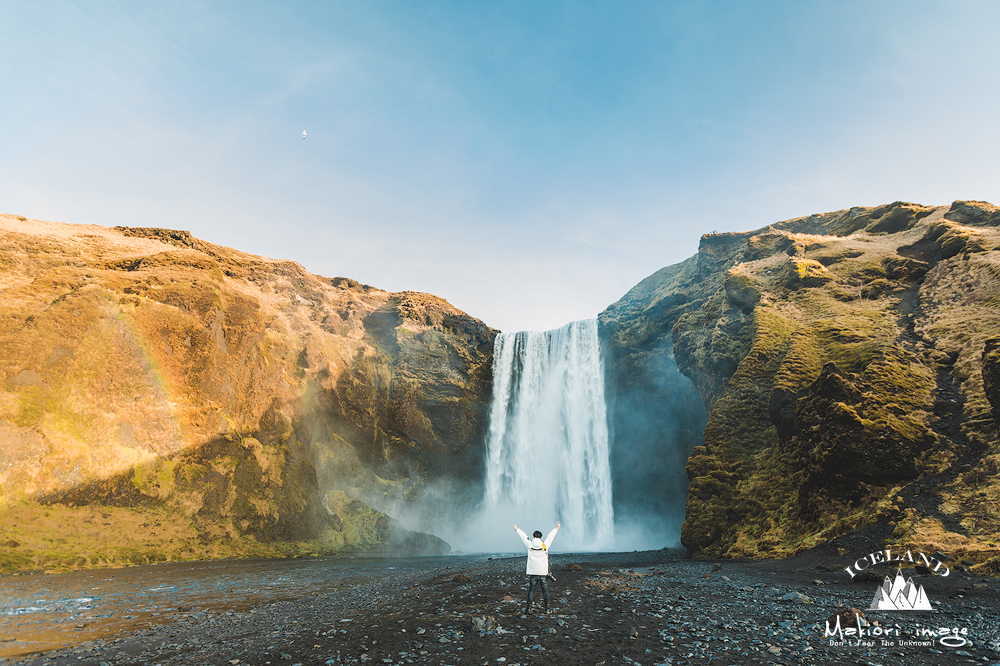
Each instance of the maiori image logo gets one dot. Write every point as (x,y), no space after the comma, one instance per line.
(850,627)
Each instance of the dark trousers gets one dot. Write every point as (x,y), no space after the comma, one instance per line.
(545,588)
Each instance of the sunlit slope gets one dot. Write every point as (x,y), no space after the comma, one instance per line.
(850,366)
(218,403)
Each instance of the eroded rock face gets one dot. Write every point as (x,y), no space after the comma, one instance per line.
(846,361)
(654,412)
(841,451)
(145,368)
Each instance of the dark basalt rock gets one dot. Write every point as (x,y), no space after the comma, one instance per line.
(991,375)
(842,453)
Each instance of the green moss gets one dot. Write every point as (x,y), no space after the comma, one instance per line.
(831,258)
(804,273)
(757,508)
(802,362)
(360,525)
(902,382)
(738,431)
(31,405)
(990,567)
(852,342)
(12,562)
(192,472)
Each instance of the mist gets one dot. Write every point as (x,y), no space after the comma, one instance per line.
(656,419)
(575,435)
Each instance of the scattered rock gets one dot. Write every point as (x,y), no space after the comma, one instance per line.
(797,597)
(867,577)
(848,618)
(484,623)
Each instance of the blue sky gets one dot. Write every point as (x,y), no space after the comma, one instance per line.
(529,162)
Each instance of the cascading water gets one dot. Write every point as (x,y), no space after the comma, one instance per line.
(547,446)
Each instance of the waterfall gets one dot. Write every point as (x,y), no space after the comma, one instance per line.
(547,445)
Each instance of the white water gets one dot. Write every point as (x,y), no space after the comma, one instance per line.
(547,445)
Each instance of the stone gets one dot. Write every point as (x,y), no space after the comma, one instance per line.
(484,623)
(867,577)
(848,618)
(796,597)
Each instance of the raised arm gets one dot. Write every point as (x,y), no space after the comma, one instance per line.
(524,537)
(552,534)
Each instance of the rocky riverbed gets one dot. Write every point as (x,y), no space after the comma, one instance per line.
(610,608)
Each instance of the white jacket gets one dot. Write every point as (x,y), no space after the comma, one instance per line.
(538,552)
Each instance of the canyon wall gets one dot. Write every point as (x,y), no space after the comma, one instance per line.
(165,398)
(848,365)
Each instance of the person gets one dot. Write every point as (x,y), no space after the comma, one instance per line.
(538,563)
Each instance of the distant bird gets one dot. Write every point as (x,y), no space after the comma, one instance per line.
(303,134)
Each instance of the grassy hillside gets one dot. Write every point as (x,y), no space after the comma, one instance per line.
(849,365)
(165,398)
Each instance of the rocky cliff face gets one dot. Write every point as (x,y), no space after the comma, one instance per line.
(849,366)
(163,398)
(655,414)
(170,399)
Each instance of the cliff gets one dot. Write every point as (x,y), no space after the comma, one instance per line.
(164,398)
(850,371)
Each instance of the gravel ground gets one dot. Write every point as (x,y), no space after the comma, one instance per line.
(621,608)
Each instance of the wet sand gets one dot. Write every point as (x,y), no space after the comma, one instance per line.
(621,608)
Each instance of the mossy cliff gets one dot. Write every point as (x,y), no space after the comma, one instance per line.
(170,399)
(851,374)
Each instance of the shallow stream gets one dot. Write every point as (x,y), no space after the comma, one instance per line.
(45,612)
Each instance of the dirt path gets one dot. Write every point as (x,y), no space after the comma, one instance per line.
(622,608)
